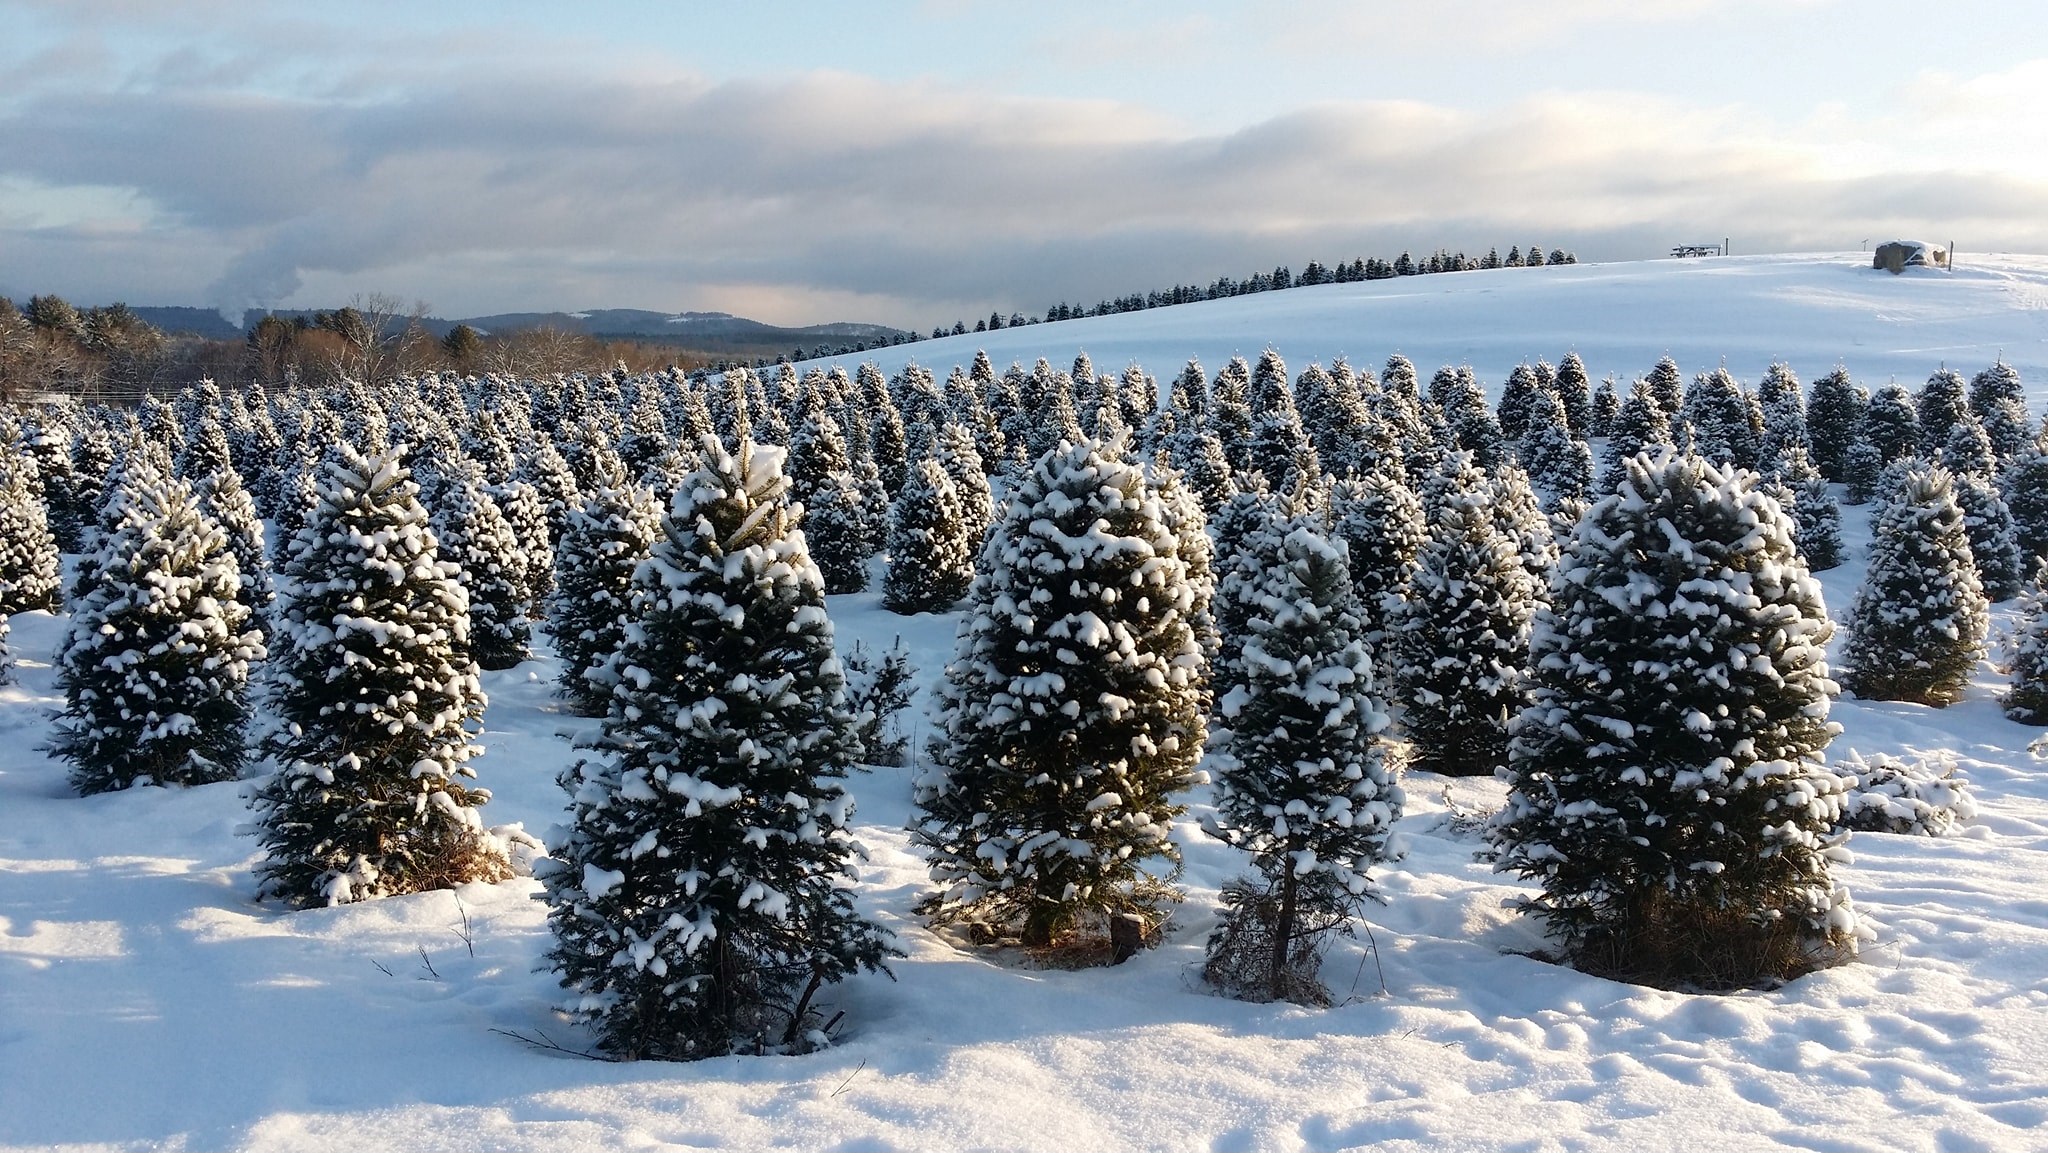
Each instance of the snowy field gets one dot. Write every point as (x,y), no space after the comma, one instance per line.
(147,1001)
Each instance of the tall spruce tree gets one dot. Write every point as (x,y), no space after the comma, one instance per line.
(1834,421)
(1304,783)
(1379,519)
(2024,483)
(700,898)
(1918,624)
(1071,713)
(155,667)
(1994,539)
(1943,400)
(29,561)
(2026,699)
(605,542)
(377,706)
(1460,638)
(474,536)
(931,554)
(1891,424)
(1667,790)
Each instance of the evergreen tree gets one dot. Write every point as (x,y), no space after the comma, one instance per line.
(1072,711)
(1943,400)
(1229,414)
(227,504)
(1668,793)
(1834,421)
(2025,485)
(526,514)
(155,668)
(2026,701)
(474,536)
(700,897)
(1606,408)
(1667,388)
(1784,409)
(957,454)
(1891,425)
(1559,466)
(377,707)
(29,562)
(1816,518)
(1717,420)
(606,540)
(1918,624)
(1304,784)
(1459,640)
(1379,519)
(1574,390)
(1994,540)
(1863,468)
(1968,451)
(1515,397)
(1639,426)
(931,554)
(1244,531)
(6,656)
(1999,400)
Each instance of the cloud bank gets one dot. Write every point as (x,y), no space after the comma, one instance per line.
(831,195)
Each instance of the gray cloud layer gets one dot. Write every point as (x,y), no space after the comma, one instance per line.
(843,197)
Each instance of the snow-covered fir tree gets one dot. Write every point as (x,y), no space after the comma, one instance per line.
(1918,624)
(1891,425)
(2026,699)
(526,514)
(1574,390)
(1559,466)
(605,542)
(1379,519)
(1668,793)
(1994,539)
(2024,482)
(1229,414)
(1834,421)
(1639,425)
(474,536)
(1304,785)
(1245,531)
(29,577)
(1606,407)
(1784,412)
(377,708)
(1999,400)
(1717,420)
(931,549)
(956,453)
(228,504)
(1942,401)
(155,667)
(1667,388)
(1516,394)
(700,897)
(1816,517)
(1071,713)
(1459,641)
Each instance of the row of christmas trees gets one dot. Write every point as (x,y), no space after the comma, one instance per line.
(1485,521)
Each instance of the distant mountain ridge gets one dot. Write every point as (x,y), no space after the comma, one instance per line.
(713,330)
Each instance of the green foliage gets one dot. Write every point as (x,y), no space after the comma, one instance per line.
(1667,791)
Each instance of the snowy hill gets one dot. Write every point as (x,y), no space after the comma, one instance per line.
(1747,311)
(148,1001)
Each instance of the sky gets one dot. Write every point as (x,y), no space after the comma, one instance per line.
(913,162)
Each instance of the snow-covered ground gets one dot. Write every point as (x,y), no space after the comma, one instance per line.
(146,1000)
